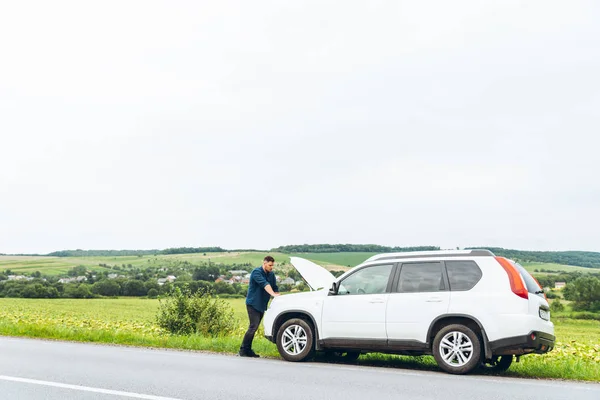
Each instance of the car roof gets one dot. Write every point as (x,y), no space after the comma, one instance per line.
(431,254)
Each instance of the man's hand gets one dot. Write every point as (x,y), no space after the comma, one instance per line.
(269,290)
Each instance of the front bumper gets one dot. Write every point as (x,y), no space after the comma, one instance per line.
(534,342)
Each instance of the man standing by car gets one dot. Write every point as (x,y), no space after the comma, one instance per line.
(262,286)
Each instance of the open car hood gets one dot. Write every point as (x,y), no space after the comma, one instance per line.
(315,276)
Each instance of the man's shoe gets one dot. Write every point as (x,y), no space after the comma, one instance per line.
(248,353)
(251,353)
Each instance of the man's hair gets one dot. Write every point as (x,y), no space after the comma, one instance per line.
(269,259)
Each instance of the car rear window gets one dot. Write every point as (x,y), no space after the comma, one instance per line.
(463,275)
(530,283)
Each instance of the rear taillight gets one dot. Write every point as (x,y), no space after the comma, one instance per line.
(516,282)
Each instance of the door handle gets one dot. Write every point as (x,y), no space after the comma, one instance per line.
(434,300)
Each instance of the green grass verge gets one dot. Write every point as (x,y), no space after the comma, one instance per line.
(131,321)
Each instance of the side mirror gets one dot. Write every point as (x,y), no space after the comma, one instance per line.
(334,289)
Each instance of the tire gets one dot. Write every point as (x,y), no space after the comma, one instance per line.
(499,363)
(344,356)
(295,340)
(457,349)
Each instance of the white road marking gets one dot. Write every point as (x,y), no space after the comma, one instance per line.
(85,388)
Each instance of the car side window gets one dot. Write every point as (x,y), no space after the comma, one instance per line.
(463,275)
(421,277)
(368,280)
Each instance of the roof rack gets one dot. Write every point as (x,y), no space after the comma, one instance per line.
(432,254)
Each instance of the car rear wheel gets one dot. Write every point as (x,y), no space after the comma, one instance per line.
(457,349)
(295,340)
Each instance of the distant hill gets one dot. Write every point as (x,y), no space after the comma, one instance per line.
(586,259)
(101,253)
(118,253)
(347,248)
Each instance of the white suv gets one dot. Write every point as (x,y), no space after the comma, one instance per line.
(467,308)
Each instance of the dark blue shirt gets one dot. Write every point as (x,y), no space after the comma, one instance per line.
(257,296)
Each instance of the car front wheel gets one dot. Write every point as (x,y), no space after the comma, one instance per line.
(295,340)
(457,349)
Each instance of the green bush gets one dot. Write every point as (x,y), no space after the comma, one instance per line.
(153,293)
(585,315)
(75,291)
(585,293)
(106,287)
(557,306)
(134,287)
(184,313)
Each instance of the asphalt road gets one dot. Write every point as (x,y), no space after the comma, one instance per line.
(38,369)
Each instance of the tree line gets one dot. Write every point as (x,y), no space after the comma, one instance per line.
(44,289)
(587,259)
(348,248)
(548,280)
(101,253)
(121,253)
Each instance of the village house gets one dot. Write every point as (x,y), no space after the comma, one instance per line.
(287,281)
(73,280)
(228,281)
(19,278)
(170,279)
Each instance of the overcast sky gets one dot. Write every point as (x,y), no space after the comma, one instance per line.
(254,124)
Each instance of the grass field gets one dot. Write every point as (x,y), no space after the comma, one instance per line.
(336,260)
(131,322)
(331,261)
(531,267)
(46,265)
(60,265)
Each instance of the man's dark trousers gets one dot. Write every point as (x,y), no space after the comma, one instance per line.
(255,317)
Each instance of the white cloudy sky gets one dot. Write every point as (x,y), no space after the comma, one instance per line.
(153,124)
